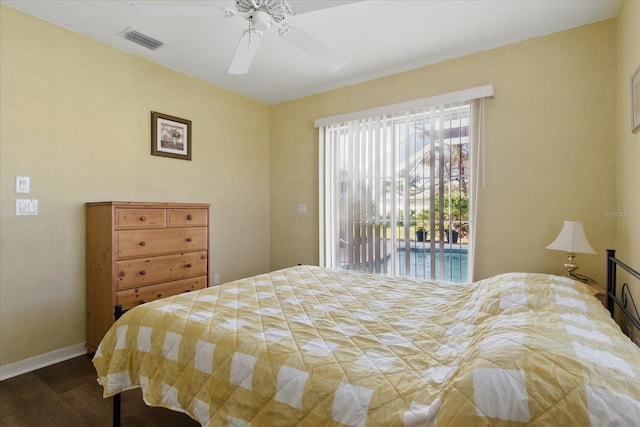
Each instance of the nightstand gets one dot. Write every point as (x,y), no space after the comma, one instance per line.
(601,291)
(602,296)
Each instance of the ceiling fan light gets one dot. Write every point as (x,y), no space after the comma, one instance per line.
(260,21)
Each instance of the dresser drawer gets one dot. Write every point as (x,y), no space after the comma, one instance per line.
(131,297)
(140,218)
(140,243)
(144,271)
(188,217)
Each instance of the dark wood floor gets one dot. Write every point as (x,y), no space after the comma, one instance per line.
(67,394)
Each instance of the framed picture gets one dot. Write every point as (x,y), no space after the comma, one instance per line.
(170,136)
(635,101)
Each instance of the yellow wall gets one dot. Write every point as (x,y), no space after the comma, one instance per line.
(75,117)
(627,206)
(550,148)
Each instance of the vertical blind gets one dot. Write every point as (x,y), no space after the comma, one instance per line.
(395,191)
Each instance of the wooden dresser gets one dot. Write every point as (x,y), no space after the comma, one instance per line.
(140,252)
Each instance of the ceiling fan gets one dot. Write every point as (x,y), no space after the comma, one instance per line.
(262,15)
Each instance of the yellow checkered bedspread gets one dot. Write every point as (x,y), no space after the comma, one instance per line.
(313,347)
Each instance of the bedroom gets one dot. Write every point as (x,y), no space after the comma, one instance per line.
(76,131)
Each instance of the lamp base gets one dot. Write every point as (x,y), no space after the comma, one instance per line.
(570,265)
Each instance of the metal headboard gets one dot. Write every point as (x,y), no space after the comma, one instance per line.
(625,302)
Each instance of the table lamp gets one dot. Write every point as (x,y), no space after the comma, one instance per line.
(572,240)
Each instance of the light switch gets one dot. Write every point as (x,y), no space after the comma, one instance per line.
(23,184)
(302,208)
(26,207)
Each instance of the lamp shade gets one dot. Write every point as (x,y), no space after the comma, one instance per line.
(572,239)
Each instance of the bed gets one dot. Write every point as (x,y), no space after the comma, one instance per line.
(311,346)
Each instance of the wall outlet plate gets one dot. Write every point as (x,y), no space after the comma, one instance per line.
(23,184)
(26,207)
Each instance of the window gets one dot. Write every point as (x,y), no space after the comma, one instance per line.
(396,193)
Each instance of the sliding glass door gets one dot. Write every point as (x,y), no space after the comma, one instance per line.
(396,193)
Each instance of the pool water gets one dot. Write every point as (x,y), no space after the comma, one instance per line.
(455,264)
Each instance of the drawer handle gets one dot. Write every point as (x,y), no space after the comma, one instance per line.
(143,243)
(189,239)
(142,273)
(188,265)
(143,218)
(189,217)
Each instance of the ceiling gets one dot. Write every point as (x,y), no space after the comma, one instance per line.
(376,37)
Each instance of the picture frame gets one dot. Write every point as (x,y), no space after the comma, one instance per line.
(170,136)
(635,101)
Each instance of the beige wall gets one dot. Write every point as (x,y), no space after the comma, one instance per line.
(627,206)
(75,117)
(550,149)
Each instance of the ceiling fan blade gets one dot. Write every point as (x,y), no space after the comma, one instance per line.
(331,59)
(245,52)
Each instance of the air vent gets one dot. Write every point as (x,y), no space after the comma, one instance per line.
(141,39)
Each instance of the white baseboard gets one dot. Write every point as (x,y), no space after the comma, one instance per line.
(11,370)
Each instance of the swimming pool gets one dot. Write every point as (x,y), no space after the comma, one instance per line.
(455,263)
